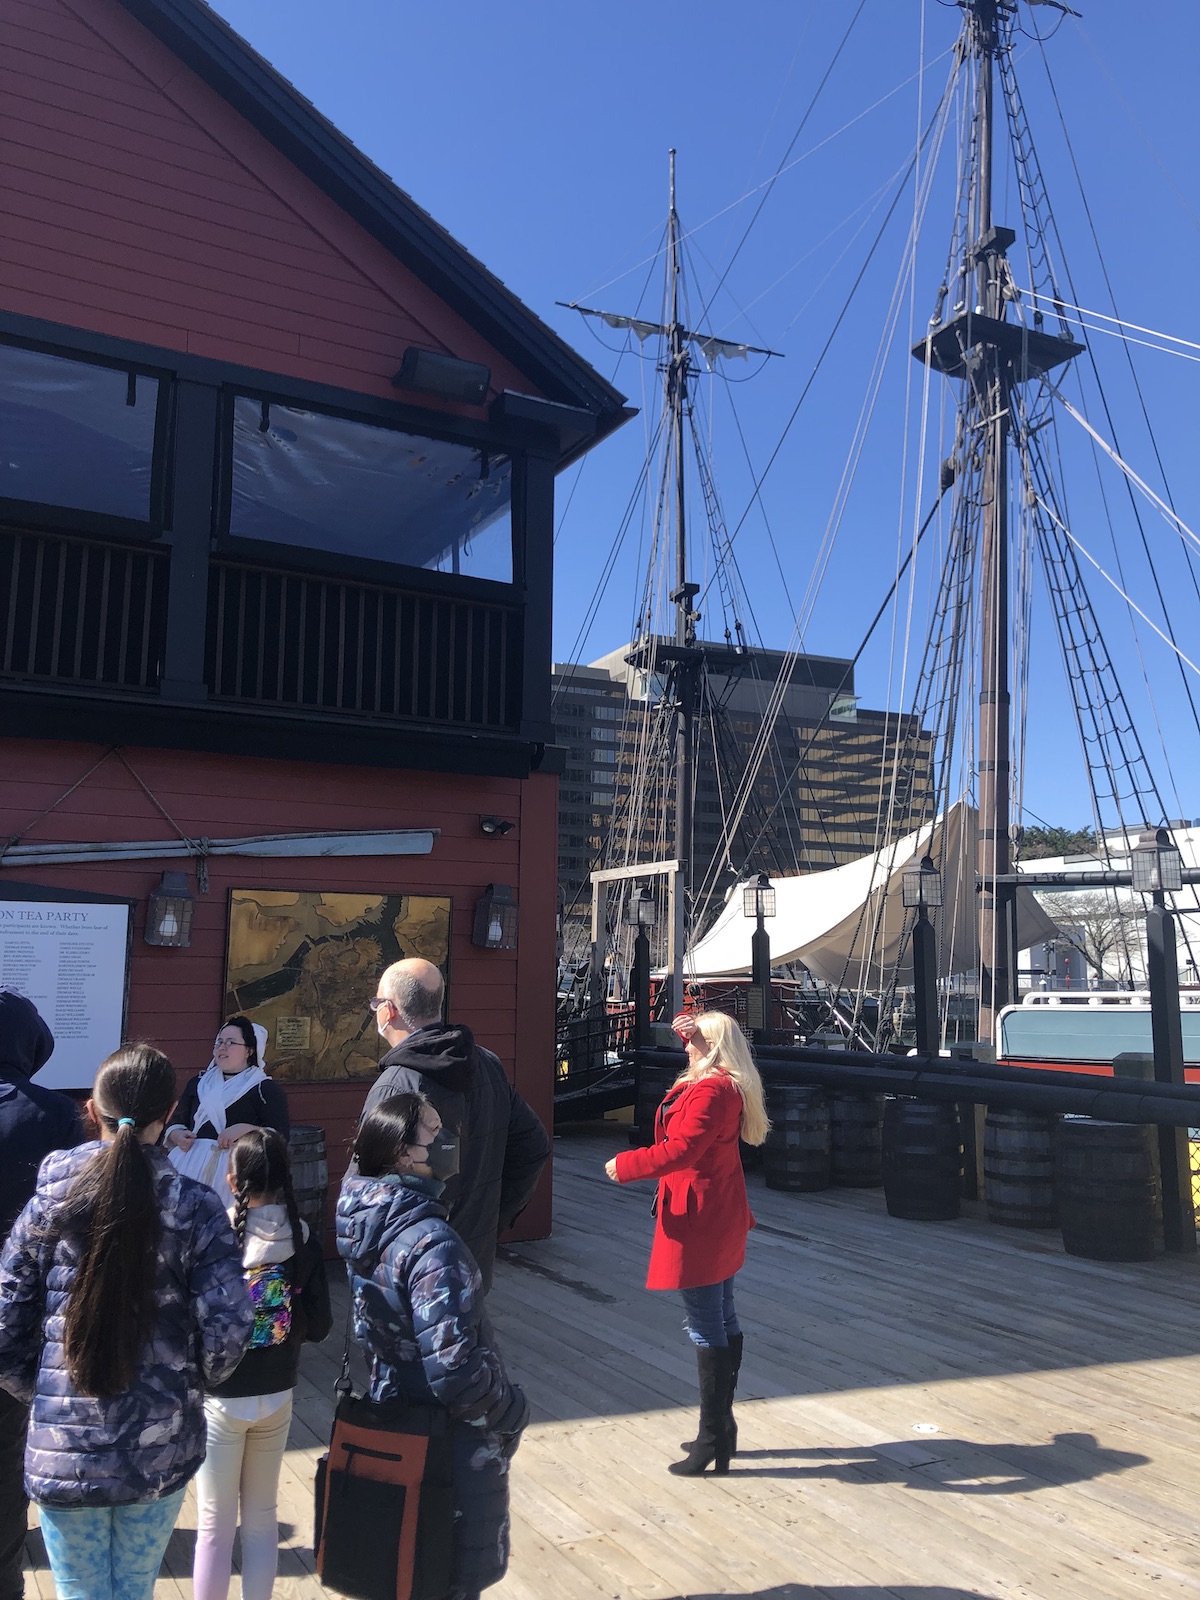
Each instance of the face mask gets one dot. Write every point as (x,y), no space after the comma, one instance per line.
(441,1155)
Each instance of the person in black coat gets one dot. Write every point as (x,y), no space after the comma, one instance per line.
(503,1144)
(33,1122)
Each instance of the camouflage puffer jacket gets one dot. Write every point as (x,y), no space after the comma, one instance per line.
(149,1441)
(418,1314)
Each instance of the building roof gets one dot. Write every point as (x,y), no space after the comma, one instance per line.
(236,72)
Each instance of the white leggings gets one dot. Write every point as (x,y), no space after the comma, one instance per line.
(242,1462)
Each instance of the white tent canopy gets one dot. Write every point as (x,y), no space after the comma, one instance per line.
(848,925)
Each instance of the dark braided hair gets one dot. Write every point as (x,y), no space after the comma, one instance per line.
(259,1165)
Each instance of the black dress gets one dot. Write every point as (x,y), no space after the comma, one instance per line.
(263,1106)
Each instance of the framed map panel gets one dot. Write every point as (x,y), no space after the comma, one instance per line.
(304,963)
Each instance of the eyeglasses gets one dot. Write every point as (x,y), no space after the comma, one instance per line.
(378,1000)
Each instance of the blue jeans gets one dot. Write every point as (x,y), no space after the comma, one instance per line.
(710,1316)
(108,1552)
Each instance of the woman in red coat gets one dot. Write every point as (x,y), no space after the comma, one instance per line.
(702,1214)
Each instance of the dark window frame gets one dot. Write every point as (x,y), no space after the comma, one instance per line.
(54,518)
(302,557)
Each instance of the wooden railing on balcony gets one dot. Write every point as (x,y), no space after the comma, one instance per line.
(78,611)
(296,640)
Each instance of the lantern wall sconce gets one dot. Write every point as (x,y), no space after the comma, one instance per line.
(169,912)
(496,916)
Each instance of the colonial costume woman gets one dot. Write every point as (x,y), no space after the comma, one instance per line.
(231,1097)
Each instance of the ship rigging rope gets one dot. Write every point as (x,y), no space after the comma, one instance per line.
(1168,512)
(771,182)
(1189,560)
(687,235)
(1132,604)
(1121,323)
(756,489)
(935,126)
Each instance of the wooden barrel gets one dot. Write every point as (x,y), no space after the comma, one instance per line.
(922,1160)
(310,1175)
(652,1085)
(796,1155)
(1108,1189)
(1018,1169)
(855,1140)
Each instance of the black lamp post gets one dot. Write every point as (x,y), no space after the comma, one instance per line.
(921,886)
(642,916)
(758,901)
(1156,867)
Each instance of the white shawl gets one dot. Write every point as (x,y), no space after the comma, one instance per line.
(215,1093)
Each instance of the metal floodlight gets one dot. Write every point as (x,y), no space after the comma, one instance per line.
(921,885)
(1155,863)
(495,926)
(642,913)
(433,372)
(169,912)
(758,898)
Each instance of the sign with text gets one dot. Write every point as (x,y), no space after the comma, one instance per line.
(70,959)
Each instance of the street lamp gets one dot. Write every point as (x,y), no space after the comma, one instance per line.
(758,902)
(1156,869)
(1156,865)
(921,890)
(642,915)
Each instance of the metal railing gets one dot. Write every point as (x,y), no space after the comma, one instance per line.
(592,1062)
(78,611)
(289,639)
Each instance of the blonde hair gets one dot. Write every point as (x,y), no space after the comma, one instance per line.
(729,1053)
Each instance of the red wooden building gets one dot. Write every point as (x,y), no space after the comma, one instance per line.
(277,463)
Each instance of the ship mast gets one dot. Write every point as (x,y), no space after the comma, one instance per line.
(686,663)
(681,658)
(993,355)
(997,900)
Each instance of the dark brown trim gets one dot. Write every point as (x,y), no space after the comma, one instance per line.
(29,711)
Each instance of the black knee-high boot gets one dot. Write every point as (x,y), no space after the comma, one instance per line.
(712,1442)
(735,1366)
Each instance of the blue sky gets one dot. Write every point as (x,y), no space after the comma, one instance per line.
(538,134)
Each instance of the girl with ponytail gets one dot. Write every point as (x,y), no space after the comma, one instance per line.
(248,1414)
(120,1294)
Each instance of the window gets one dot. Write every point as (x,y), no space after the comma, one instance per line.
(325,483)
(605,758)
(76,435)
(610,713)
(604,735)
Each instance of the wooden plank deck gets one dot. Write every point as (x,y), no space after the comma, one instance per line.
(928,1411)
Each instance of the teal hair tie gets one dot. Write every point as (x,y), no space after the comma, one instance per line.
(126,1122)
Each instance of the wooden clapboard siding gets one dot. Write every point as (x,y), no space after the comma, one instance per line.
(139,204)
(176,996)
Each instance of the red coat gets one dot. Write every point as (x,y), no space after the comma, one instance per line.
(703,1214)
